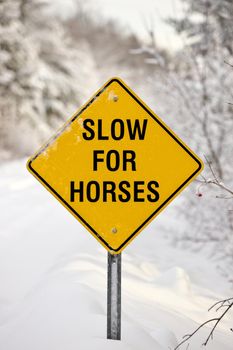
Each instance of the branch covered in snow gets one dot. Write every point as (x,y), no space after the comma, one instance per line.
(214,181)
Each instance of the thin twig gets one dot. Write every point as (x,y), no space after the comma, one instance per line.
(228,303)
(215,180)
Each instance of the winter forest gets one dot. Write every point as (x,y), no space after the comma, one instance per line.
(53,273)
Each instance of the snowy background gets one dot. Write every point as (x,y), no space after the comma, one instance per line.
(53,56)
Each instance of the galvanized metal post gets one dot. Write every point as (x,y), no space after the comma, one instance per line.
(114,297)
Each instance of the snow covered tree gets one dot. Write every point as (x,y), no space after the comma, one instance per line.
(207,24)
(203,85)
(194,87)
(18,61)
(109,43)
(205,81)
(42,75)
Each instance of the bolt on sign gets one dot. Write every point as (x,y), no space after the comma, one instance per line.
(115,165)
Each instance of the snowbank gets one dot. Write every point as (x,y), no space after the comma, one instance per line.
(53,280)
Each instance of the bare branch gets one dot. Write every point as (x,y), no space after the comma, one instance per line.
(226,303)
(215,181)
(228,63)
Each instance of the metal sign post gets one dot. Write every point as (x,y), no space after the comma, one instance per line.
(114,297)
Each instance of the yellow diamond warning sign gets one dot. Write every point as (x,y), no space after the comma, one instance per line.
(115,165)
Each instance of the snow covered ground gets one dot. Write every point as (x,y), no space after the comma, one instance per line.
(53,280)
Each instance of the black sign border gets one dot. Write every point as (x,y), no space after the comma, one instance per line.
(76,213)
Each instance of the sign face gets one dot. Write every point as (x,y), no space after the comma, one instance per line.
(115,165)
